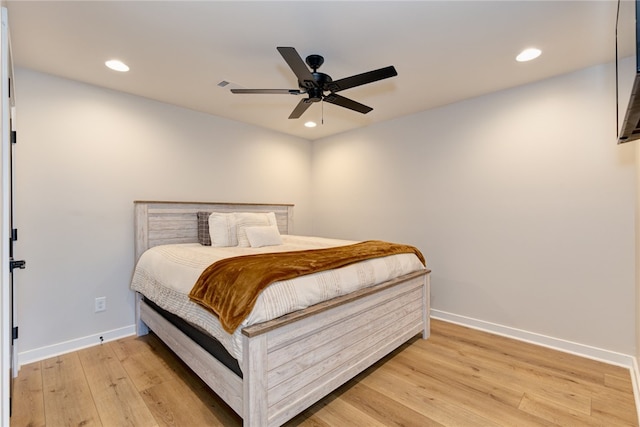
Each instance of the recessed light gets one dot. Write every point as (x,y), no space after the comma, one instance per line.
(528,54)
(310,124)
(116,65)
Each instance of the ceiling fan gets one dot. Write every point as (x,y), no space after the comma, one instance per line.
(315,84)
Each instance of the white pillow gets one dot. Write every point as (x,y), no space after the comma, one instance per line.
(267,235)
(222,229)
(251,219)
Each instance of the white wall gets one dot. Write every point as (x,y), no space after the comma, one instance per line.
(84,154)
(521,201)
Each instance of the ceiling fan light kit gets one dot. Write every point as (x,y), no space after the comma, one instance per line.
(316,84)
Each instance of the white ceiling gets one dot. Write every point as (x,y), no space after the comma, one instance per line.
(178,51)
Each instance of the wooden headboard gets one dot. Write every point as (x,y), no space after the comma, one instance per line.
(161,223)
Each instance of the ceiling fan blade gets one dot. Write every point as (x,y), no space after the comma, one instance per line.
(269,91)
(361,79)
(297,65)
(347,103)
(300,108)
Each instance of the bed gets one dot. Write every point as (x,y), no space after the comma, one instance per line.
(290,362)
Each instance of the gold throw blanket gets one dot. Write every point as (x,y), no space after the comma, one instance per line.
(230,287)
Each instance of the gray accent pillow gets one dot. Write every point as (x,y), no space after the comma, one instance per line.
(203,228)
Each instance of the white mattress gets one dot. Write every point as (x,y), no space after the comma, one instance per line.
(165,275)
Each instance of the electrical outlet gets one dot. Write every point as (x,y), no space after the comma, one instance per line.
(101,304)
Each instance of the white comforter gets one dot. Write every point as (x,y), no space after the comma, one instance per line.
(165,274)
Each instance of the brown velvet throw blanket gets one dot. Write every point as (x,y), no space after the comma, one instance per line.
(230,287)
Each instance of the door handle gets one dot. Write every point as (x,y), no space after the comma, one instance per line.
(21,264)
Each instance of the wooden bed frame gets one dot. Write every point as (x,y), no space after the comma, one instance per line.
(291,362)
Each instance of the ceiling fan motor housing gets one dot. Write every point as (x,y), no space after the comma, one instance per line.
(315,92)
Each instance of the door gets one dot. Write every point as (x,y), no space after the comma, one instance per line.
(13,263)
(6,235)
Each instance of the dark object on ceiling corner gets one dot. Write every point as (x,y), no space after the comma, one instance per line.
(315,84)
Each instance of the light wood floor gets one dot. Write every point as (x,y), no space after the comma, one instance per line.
(459,377)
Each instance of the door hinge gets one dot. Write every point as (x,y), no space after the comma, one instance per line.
(14,234)
(14,136)
(15,333)
(21,264)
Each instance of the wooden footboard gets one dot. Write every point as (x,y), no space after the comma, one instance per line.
(291,362)
(290,367)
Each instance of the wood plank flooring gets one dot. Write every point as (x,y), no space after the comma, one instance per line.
(459,377)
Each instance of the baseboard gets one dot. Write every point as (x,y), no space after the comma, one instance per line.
(595,353)
(42,353)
